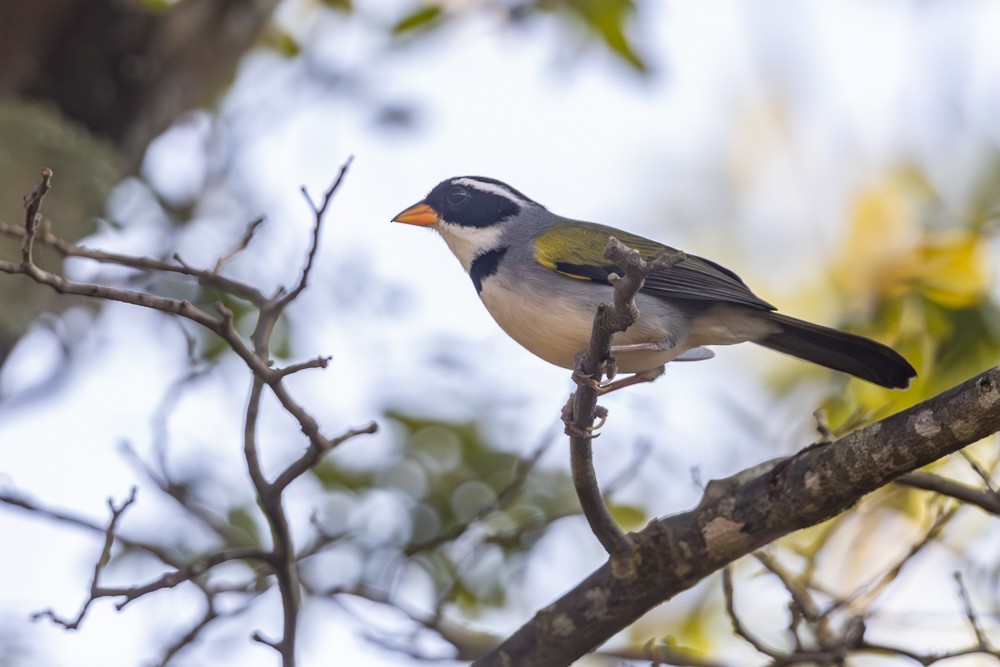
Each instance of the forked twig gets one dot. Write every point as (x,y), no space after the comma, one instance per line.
(581,411)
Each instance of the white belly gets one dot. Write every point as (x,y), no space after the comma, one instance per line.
(558,329)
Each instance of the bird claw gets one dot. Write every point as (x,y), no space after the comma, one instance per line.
(584,380)
(589,432)
(601,413)
(638,378)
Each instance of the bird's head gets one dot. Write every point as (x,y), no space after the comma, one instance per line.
(469,212)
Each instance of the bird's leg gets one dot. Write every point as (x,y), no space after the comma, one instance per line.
(638,378)
(659,346)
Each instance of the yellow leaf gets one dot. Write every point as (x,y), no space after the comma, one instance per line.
(880,236)
(629,517)
(950,268)
(886,254)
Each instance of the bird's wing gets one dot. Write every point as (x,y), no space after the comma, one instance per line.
(575,249)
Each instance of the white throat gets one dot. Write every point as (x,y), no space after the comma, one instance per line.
(468,242)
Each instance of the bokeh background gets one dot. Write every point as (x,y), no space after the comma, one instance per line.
(842,158)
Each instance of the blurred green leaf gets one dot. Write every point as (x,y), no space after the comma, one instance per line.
(466,474)
(242,519)
(283,42)
(606,19)
(332,476)
(341,5)
(158,6)
(425,17)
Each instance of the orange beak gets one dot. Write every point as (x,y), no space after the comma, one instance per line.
(418,214)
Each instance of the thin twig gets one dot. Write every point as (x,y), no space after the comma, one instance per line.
(204,278)
(189,637)
(970,614)
(986,499)
(861,599)
(596,361)
(314,455)
(979,470)
(315,362)
(102,561)
(165,555)
(32,203)
(738,628)
(241,246)
(319,214)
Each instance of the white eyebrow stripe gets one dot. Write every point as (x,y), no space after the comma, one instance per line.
(492,188)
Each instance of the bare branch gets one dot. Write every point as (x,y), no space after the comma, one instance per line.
(979,470)
(239,247)
(269,494)
(982,640)
(164,555)
(315,362)
(32,203)
(102,561)
(204,278)
(281,558)
(866,594)
(596,361)
(191,571)
(986,499)
(319,213)
(189,637)
(314,454)
(739,629)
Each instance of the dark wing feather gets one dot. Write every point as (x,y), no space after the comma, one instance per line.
(576,249)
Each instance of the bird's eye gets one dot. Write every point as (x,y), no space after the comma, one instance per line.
(457,196)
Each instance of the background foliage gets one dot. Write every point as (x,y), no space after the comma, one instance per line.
(844,162)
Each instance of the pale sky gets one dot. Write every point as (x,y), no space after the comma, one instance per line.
(857,85)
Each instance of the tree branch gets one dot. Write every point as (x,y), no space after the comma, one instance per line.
(32,203)
(281,558)
(985,499)
(742,513)
(102,561)
(595,362)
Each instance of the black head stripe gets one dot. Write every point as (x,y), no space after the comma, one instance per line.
(460,202)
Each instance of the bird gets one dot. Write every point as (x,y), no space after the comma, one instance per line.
(542,277)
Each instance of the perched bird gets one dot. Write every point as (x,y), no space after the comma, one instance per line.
(542,277)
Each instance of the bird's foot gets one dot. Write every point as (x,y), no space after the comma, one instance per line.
(574,431)
(584,380)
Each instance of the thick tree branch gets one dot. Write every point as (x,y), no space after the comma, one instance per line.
(742,513)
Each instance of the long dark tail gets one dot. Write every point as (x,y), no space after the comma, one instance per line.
(841,351)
